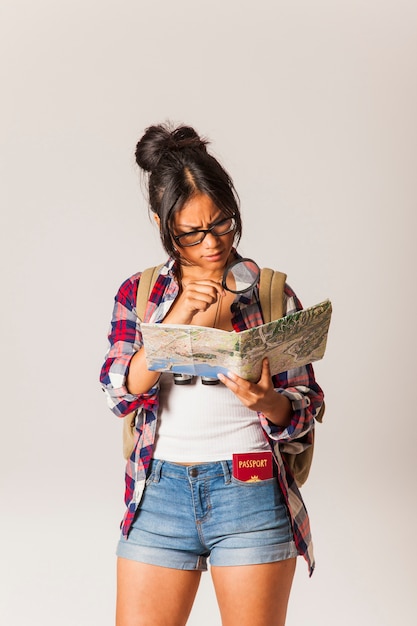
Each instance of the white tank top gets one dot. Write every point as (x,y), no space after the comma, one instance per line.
(201,423)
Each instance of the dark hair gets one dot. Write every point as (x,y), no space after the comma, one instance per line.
(179,168)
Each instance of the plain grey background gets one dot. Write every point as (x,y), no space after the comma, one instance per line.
(312,108)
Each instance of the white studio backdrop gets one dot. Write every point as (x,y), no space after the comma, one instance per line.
(312,108)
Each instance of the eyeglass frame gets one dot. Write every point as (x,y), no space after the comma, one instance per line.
(205,231)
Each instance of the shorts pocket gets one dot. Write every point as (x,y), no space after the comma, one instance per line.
(253,483)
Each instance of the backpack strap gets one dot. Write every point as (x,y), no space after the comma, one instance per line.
(271,294)
(146,283)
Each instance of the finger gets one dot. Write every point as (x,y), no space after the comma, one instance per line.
(265,372)
(228,380)
(207,286)
(235,383)
(237,386)
(200,299)
(203,298)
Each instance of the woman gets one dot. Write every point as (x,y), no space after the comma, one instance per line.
(184,503)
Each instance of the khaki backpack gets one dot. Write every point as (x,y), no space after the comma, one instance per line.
(271,295)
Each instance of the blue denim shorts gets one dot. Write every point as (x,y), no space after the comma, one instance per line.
(191,513)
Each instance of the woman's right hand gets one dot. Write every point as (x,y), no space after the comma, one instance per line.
(197,296)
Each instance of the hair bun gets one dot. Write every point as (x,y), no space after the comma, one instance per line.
(161,140)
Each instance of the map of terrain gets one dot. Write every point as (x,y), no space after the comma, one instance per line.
(289,342)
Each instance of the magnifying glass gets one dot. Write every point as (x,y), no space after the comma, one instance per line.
(241,275)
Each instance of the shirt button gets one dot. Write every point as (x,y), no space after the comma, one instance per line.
(194,472)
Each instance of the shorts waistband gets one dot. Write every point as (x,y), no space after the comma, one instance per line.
(200,471)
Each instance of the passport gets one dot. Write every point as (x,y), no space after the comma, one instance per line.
(252,466)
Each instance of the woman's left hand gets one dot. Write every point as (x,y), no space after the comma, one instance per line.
(260,396)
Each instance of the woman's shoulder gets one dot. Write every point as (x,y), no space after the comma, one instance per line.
(130,282)
(127,292)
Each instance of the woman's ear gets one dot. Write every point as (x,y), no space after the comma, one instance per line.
(157,220)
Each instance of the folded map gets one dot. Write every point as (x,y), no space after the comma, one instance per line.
(289,342)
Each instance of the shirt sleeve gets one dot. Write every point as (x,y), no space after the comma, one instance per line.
(124,339)
(300,387)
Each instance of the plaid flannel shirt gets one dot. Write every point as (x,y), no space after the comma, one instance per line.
(298,385)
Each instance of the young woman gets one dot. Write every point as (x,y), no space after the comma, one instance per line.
(184,504)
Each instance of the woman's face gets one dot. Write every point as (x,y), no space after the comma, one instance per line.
(213,253)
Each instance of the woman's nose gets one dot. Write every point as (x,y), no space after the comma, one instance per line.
(210,240)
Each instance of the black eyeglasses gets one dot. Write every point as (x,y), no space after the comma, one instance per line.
(194,237)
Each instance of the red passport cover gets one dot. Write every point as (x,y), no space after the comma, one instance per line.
(253,466)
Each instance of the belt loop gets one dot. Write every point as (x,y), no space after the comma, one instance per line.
(157,471)
(226,472)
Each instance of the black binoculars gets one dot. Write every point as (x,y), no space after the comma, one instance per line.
(185,379)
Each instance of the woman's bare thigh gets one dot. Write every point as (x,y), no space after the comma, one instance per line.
(152,595)
(254,595)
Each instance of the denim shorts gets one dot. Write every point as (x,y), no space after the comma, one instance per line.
(191,513)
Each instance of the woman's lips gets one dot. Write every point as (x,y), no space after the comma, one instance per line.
(213,257)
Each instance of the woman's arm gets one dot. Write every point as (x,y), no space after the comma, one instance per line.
(139,379)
